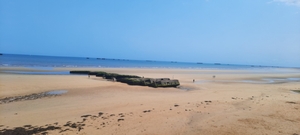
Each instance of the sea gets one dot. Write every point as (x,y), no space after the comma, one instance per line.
(16,60)
(45,65)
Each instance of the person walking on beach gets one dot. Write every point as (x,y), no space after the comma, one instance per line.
(193,80)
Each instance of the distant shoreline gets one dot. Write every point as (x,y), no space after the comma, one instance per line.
(171,64)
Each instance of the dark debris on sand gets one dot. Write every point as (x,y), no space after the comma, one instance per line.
(26,97)
(104,118)
(28,130)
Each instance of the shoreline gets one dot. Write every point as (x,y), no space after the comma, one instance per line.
(186,76)
(64,71)
(212,107)
(83,59)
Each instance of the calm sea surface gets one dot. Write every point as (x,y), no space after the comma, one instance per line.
(8,60)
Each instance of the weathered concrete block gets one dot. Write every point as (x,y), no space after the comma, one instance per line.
(79,72)
(133,79)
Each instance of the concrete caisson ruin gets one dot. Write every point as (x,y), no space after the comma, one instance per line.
(132,79)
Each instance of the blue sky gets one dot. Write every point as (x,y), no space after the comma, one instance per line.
(258,32)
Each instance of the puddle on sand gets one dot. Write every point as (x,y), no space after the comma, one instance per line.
(271,80)
(294,79)
(202,81)
(56,92)
(296,91)
(183,88)
(261,81)
(186,88)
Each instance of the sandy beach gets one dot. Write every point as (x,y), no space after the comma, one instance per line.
(235,102)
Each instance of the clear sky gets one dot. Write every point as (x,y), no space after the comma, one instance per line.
(258,32)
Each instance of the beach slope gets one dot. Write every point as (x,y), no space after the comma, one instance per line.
(232,102)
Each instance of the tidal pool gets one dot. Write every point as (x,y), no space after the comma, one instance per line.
(56,92)
(296,91)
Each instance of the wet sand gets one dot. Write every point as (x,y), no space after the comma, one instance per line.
(227,104)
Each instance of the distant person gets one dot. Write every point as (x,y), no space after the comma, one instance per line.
(214,76)
(193,80)
(89,75)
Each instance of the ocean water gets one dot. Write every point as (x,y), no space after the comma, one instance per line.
(48,62)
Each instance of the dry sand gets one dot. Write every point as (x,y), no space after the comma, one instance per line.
(225,105)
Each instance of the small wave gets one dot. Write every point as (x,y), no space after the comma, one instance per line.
(5,65)
(42,68)
(38,73)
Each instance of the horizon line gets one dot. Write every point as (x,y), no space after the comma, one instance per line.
(172,61)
